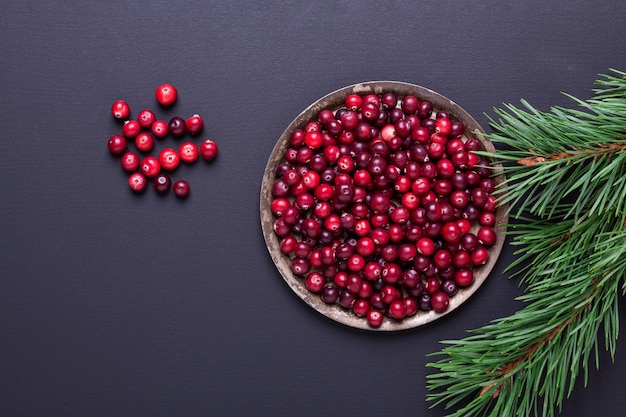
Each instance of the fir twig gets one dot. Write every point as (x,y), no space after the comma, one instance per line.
(566,187)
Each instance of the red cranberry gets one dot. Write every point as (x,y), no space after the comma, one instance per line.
(166,94)
(315,282)
(440,301)
(131,128)
(188,152)
(159,128)
(116,144)
(120,109)
(150,166)
(144,141)
(130,161)
(194,124)
(169,159)
(137,182)
(181,188)
(375,318)
(146,118)
(208,150)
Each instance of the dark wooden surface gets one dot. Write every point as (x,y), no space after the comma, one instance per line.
(117,305)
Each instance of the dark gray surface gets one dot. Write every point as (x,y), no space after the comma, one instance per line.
(118,305)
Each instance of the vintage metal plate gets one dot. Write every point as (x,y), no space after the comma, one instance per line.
(334,101)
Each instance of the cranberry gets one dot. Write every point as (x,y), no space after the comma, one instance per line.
(315,282)
(188,152)
(144,141)
(181,188)
(397,309)
(166,94)
(159,128)
(137,181)
(330,294)
(361,307)
(440,301)
(194,124)
(177,126)
(130,161)
(169,159)
(208,150)
(375,318)
(162,183)
(117,144)
(131,128)
(150,166)
(120,109)
(146,118)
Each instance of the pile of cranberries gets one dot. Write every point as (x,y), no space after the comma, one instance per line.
(144,131)
(383,208)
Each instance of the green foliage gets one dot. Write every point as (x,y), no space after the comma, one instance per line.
(566,186)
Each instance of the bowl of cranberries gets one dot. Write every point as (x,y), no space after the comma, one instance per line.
(378,209)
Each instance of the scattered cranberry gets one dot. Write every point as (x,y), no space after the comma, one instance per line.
(137,182)
(159,128)
(169,159)
(146,118)
(131,128)
(117,144)
(150,166)
(208,150)
(120,109)
(161,183)
(194,124)
(130,161)
(144,141)
(176,126)
(166,94)
(181,188)
(188,152)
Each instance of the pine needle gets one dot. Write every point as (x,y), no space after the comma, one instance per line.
(566,187)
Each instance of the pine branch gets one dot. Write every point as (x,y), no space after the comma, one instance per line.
(566,186)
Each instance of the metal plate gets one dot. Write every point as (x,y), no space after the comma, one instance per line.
(334,101)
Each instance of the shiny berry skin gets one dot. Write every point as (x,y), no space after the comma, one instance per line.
(131,128)
(181,188)
(443,126)
(144,141)
(314,282)
(176,126)
(479,256)
(354,102)
(166,94)
(159,128)
(440,301)
(120,109)
(150,166)
(375,318)
(117,144)
(397,309)
(162,183)
(130,161)
(188,152)
(169,159)
(464,277)
(146,118)
(194,124)
(208,150)
(137,182)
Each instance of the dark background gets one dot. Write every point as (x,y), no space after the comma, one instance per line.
(117,305)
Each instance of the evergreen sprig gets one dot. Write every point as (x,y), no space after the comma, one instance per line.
(566,186)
